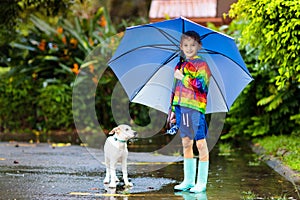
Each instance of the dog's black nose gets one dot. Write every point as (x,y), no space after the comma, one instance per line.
(135,134)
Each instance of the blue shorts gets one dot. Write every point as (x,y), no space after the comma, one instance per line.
(191,123)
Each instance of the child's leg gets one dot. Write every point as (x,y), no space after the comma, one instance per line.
(201,132)
(202,149)
(200,129)
(189,164)
(187,145)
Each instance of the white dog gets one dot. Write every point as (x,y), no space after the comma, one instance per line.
(115,149)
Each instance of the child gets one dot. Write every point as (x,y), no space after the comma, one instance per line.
(188,108)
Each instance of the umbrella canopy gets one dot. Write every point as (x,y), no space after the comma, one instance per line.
(144,63)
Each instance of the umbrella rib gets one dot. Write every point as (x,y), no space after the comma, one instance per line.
(167,35)
(224,99)
(169,59)
(207,34)
(158,46)
(215,52)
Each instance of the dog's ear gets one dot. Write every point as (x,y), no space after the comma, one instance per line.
(115,130)
(112,131)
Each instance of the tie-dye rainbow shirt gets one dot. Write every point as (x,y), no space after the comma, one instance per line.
(191,91)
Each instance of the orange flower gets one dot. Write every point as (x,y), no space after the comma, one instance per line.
(42,45)
(102,22)
(75,68)
(60,30)
(73,42)
(64,39)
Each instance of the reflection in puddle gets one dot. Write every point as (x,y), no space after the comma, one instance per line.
(192,196)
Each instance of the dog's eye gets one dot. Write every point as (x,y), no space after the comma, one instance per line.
(127,129)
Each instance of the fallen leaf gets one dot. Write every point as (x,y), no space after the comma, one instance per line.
(61,144)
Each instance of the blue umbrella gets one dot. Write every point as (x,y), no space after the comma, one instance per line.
(145,59)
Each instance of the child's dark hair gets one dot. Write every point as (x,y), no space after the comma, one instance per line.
(192,34)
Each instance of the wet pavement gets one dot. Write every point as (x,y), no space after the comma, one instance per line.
(41,171)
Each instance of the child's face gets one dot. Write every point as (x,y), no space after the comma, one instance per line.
(190,47)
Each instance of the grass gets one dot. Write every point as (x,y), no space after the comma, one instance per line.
(284,147)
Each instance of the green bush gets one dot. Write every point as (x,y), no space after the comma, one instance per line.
(44,61)
(18,104)
(54,107)
(273,27)
(268,35)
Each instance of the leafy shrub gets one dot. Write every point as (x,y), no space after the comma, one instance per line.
(272,26)
(54,107)
(48,55)
(267,34)
(18,104)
